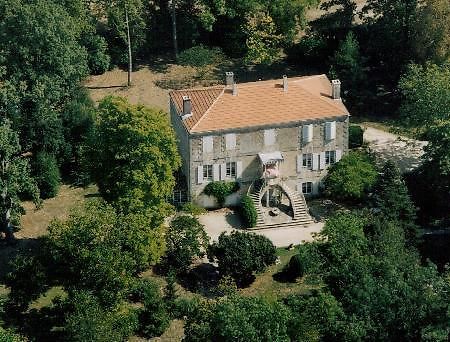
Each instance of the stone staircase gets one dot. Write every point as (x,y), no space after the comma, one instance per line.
(299,206)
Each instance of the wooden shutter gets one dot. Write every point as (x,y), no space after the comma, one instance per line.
(322,160)
(200,174)
(230,141)
(207,144)
(223,171)
(315,161)
(338,155)
(333,130)
(299,162)
(238,169)
(307,132)
(216,172)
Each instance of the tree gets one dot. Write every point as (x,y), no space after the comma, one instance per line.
(351,178)
(426,94)
(392,198)
(9,336)
(432,31)
(15,179)
(132,155)
(185,240)
(47,174)
(242,254)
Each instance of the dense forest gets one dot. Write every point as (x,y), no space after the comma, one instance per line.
(368,276)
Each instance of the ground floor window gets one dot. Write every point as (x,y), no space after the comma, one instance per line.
(307,160)
(307,188)
(230,170)
(330,157)
(208,172)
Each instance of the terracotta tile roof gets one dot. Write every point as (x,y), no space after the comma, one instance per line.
(262,103)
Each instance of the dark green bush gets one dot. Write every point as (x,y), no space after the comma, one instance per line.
(153,318)
(98,58)
(220,190)
(46,174)
(294,268)
(355,136)
(199,56)
(248,211)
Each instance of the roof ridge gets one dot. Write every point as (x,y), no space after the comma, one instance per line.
(207,111)
(197,89)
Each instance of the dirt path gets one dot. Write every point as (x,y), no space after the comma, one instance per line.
(404,152)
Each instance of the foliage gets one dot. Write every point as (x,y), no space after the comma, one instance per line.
(426,94)
(88,321)
(311,49)
(186,239)
(200,56)
(355,136)
(9,336)
(351,178)
(98,58)
(154,318)
(46,174)
(294,268)
(241,254)
(92,250)
(392,198)
(263,43)
(220,190)
(193,209)
(248,211)
(132,155)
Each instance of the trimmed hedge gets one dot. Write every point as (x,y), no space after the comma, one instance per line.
(221,190)
(355,136)
(248,211)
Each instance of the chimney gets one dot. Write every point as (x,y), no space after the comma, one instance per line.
(285,83)
(336,89)
(187,107)
(229,78)
(235,89)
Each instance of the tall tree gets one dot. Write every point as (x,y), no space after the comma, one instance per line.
(15,179)
(132,154)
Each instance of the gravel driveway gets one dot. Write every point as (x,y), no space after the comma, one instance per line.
(226,221)
(404,152)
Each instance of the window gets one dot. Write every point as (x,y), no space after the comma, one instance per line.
(330,157)
(269,137)
(307,187)
(230,170)
(230,141)
(330,130)
(207,144)
(307,160)
(208,173)
(307,133)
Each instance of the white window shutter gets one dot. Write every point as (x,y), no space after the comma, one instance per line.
(299,162)
(207,144)
(230,141)
(216,172)
(269,137)
(307,132)
(333,130)
(223,171)
(200,174)
(338,155)
(315,161)
(322,160)
(238,169)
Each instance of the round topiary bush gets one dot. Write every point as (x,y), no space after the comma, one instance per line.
(295,267)
(46,174)
(248,211)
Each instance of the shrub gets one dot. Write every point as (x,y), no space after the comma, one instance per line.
(10,336)
(200,56)
(98,58)
(241,254)
(311,49)
(154,318)
(47,174)
(193,209)
(294,268)
(248,211)
(355,136)
(220,190)
(352,177)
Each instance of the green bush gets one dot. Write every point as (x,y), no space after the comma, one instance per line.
(352,177)
(200,56)
(47,174)
(294,268)
(98,58)
(153,318)
(355,136)
(193,209)
(220,190)
(311,49)
(248,211)
(10,336)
